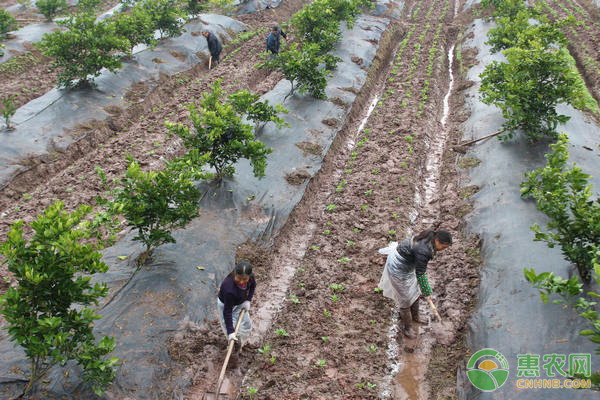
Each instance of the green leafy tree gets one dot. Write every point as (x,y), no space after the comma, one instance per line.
(48,314)
(256,111)
(155,202)
(89,5)
(84,49)
(504,8)
(8,109)
(136,26)
(49,8)
(195,7)
(564,194)
(303,67)
(225,7)
(528,87)
(7,23)
(166,15)
(570,292)
(518,32)
(220,137)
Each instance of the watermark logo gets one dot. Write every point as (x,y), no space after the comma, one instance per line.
(487,370)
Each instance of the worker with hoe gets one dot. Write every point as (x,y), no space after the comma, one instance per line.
(236,294)
(404,277)
(273,41)
(214,47)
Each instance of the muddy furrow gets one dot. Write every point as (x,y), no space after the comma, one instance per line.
(340,343)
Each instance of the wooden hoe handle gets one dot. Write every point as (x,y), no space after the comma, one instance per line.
(229,351)
(433,307)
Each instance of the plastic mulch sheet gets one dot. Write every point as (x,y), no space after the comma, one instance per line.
(41,123)
(510,317)
(144,308)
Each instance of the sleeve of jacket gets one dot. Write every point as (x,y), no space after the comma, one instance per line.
(422,255)
(283,34)
(228,313)
(252,286)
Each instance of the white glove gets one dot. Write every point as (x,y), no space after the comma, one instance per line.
(232,336)
(246,305)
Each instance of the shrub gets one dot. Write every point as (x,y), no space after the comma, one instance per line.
(89,5)
(221,137)
(49,8)
(8,109)
(195,7)
(570,292)
(7,23)
(564,195)
(528,87)
(256,111)
(48,313)
(84,49)
(154,203)
(518,32)
(137,27)
(226,7)
(504,8)
(166,15)
(303,67)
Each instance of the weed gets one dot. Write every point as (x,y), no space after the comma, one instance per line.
(350,243)
(374,172)
(300,270)
(372,349)
(372,322)
(392,233)
(336,287)
(356,230)
(156,144)
(326,232)
(348,171)
(252,391)
(326,313)
(395,215)
(264,350)
(324,338)
(294,298)
(364,207)
(313,247)
(321,363)
(369,192)
(281,332)
(26,196)
(378,290)
(344,260)
(334,298)
(331,207)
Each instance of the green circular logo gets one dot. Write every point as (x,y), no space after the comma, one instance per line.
(487,370)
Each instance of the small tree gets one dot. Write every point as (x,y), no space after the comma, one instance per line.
(302,66)
(195,7)
(84,49)
(256,111)
(571,296)
(8,110)
(89,5)
(7,23)
(221,137)
(564,195)
(49,8)
(166,15)
(518,32)
(137,27)
(48,312)
(155,202)
(528,87)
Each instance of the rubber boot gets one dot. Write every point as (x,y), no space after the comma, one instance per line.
(408,330)
(414,312)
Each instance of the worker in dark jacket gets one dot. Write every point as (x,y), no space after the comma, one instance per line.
(273,41)
(404,277)
(214,46)
(235,294)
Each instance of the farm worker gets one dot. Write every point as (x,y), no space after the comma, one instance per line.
(236,294)
(273,41)
(214,46)
(404,277)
